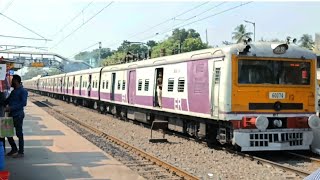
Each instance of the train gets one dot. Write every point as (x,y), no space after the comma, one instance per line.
(255,96)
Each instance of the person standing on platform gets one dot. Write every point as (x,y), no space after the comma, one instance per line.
(2,100)
(15,103)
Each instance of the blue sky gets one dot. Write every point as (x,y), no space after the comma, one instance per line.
(121,20)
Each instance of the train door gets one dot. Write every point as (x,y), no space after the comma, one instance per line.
(68,85)
(216,87)
(158,79)
(198,86)
(80,85)
(90,85)
(132,86)
(73,84)
(113,84)
(61,84)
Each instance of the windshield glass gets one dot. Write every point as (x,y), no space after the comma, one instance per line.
(273,72)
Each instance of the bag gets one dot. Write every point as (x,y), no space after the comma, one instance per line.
(6,127)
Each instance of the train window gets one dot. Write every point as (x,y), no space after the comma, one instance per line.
(170,84)
(217,76)
(107,84)
(139,84)
(273,72)
(119,84)
(180,84)
(103,85)
(123,85)
(146,85)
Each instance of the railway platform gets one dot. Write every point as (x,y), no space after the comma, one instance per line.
(53,151)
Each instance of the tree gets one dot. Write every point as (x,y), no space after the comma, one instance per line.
(82,55)
(105,52)
(192,44)
(275,40)
(306,41)
(152,43)
(241,33)
(133,48)
(226,42)
(33,72)
(189,40)
(116,57)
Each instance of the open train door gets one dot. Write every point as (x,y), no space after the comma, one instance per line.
(73,83)
(67,85)
(89,85)
(113,84)
(132,87)
(80,86)
(158,71)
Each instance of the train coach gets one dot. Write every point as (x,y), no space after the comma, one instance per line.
(255,96)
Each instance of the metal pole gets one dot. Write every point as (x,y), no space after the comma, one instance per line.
(206,36)
(254,29)
(99,52)
(254,32)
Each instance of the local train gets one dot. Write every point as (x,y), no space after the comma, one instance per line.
(256,96)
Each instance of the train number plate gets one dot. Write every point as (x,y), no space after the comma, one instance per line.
(277,95)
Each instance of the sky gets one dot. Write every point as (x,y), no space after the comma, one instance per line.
(133,21)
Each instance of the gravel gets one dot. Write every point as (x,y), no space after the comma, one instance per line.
(191,156)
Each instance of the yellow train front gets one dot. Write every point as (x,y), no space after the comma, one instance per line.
(274,98)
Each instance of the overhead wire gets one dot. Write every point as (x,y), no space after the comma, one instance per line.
(185,12)
(165,21)
(75,17)
(221,12)
(23,26)
(17,37)
(85,49)
(81,25)
(220,4)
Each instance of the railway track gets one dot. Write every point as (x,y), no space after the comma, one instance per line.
(142,162)
(181,173)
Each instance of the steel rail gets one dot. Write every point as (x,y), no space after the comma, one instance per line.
(175,170)
(305,157)
(262,160)
(245,155)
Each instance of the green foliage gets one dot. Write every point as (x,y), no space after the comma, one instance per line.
(306,41)
(34,71)
(133,48)
(168,45)
(114,58)
(105,52)
(189,40)
(152,43)
(226,43)
(192,44)
(241,33)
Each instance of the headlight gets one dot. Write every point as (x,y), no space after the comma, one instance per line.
(262,123)
(277,123)
(314,122)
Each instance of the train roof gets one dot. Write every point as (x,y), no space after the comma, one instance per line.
(85,71)
(257,49)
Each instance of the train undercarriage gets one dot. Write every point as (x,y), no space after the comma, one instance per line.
(208,130)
